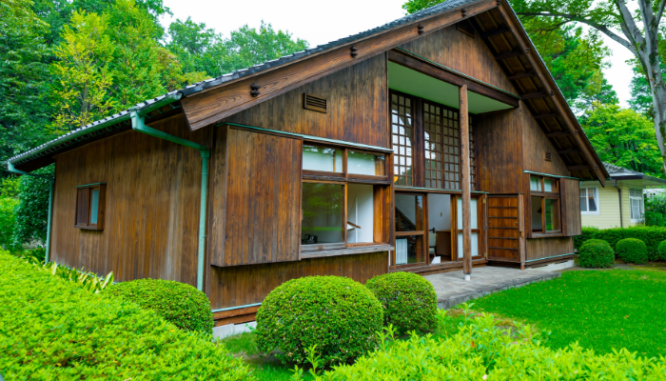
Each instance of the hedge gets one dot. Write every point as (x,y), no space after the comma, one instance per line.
(596,253)
(651,235)
(632,250)
(50,329)
(483,351)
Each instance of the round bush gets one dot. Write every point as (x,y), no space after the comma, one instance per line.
(179,303)
(339,315)
(596,253)
(661,252)
(632,250)
(409,301)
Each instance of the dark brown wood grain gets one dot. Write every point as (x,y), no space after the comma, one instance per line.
(549,247)
(571,204)
(217,103)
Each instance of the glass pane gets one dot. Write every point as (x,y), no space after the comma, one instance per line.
(94,206)
(365,164)
(547,185)
(592,199)
(472,212)
(537,224)
(475,245)
(635,209)
(439,225)
(408,249)
(360,213)
(583,200)
(401,112)
(408,212)
(318,158)
(535,184)
(552,215)
(322,213)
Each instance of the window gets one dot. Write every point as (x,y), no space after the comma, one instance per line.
(90,200)
(589,200)
(343,197)
(637,205)
(402,134)
(545,205)
(409,229)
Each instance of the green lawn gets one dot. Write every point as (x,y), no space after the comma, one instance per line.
(602,310)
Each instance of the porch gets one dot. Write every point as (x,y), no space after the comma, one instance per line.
(452,289)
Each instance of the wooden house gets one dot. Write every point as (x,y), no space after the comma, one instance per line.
(438,141)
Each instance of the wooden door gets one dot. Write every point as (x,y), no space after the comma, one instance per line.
(478,227)
(504,228)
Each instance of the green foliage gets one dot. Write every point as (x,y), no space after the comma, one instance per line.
(596,253)
(339,315)
(655,210)
(661,252)
(482,350)
(7,221)
(624,138)
(9,187)
(651,235)
(178,303)
(601,310)
(632,250)
(409,301)
(33,208)
(81,335)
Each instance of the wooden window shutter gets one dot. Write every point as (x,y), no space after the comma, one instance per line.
(263,200)
(570,198)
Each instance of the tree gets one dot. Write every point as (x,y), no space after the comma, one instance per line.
(623,137)
(83,72)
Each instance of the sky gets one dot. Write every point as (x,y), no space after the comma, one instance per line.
(334,20)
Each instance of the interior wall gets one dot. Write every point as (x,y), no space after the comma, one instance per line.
(360,207)
(439,211)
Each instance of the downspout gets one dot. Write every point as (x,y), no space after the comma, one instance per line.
(619,196)
(138,125)
(10,168)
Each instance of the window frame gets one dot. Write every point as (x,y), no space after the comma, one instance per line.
(587,204)
(641,207)
(381,201)
(543,195)
(84,206)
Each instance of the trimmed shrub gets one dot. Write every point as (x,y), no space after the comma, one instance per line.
(597,253)
(651,235)
(409,301)
(52,329)
(594,240)
(178,303)
(632,250)
(338,315)
(482,350)
(661,252)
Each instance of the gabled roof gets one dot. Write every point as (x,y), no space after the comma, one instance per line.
(620,173)
(575,147)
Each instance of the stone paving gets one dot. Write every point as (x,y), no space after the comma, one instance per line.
(452,289)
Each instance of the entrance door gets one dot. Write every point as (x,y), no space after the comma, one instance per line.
(476,214)
(440,248)
(409,229)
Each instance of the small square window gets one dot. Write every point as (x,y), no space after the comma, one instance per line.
(90,200)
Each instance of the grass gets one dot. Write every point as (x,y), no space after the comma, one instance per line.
(602,310)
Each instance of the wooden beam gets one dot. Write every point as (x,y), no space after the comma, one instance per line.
(538,94)
(495,32)
(503,56)
(466,191)
(526,74)
(546,116)
(219,102)
(523,40)
(558,133)
(568,151)
(437,72)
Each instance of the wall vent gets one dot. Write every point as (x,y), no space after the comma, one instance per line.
(311,102)
(549,156)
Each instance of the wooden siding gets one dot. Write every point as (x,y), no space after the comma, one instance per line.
(242,285)
(152,205)
(263,200)
(571,204)
(535,146)
(357,107)
(454,49)
(549,247)
(504,228)
(499,146)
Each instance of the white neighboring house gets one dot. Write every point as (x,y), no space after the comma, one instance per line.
(620,203)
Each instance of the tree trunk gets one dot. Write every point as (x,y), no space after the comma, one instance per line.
(659,114)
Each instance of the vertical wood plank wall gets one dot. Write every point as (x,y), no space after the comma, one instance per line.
(548,247)
(357,107)
(152,205)
(456,50)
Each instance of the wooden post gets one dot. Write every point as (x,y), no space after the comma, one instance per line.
(466,194)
